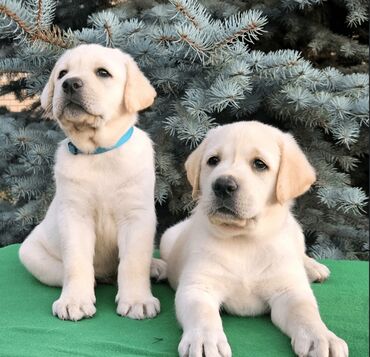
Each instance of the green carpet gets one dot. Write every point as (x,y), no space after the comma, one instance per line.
(27,327)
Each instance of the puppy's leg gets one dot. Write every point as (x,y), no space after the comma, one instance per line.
(198,312)
(169,239)
(135,243)
(158,269)
(39,261)
(296,313)
(315,271)
(77,238)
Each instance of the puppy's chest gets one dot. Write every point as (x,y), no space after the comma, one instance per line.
(92,169)
(249,279)
(243,294)
(106,248)
(99,180)
(96,169)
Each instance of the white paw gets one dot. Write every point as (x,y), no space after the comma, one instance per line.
(325,344)
(158,269)
(316,272)
(204,342)
(69,307)
(146,308)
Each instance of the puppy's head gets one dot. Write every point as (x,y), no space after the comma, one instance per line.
(241,169)
(91,85)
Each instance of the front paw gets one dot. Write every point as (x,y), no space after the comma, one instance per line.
(204,342)
(138,309)
(316,271)
(158,269)
(324,344)
(74,307)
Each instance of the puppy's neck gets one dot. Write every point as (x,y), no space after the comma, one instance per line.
(89,135)
(264,227)
(268,223)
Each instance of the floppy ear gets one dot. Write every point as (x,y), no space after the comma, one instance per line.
(47,97)
(296,175)
(192,166)
(139,93)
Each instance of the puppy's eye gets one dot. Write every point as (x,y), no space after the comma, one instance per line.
(259,165)
(101,72)
(62,73)
(213,161)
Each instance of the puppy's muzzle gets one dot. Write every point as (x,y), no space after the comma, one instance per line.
(72,85)
(225,187)
(74,96)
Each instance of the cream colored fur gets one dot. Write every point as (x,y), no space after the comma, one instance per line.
(101,221)
(253,262)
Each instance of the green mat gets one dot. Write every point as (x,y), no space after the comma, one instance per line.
(27,327)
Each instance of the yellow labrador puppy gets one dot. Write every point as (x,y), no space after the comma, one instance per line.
(242,249)
(102,220)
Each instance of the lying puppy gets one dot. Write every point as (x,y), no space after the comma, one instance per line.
(102,218)
(242,248)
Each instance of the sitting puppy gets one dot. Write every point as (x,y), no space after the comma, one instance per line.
(242,248)
(102,220)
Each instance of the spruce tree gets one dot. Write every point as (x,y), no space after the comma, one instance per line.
(216,62)
(27,149)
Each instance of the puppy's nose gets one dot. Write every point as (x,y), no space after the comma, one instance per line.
(71,85)
(225,186)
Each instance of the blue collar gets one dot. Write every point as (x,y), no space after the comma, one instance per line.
(74,150)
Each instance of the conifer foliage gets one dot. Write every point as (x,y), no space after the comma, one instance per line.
(201,58)
(26,174)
